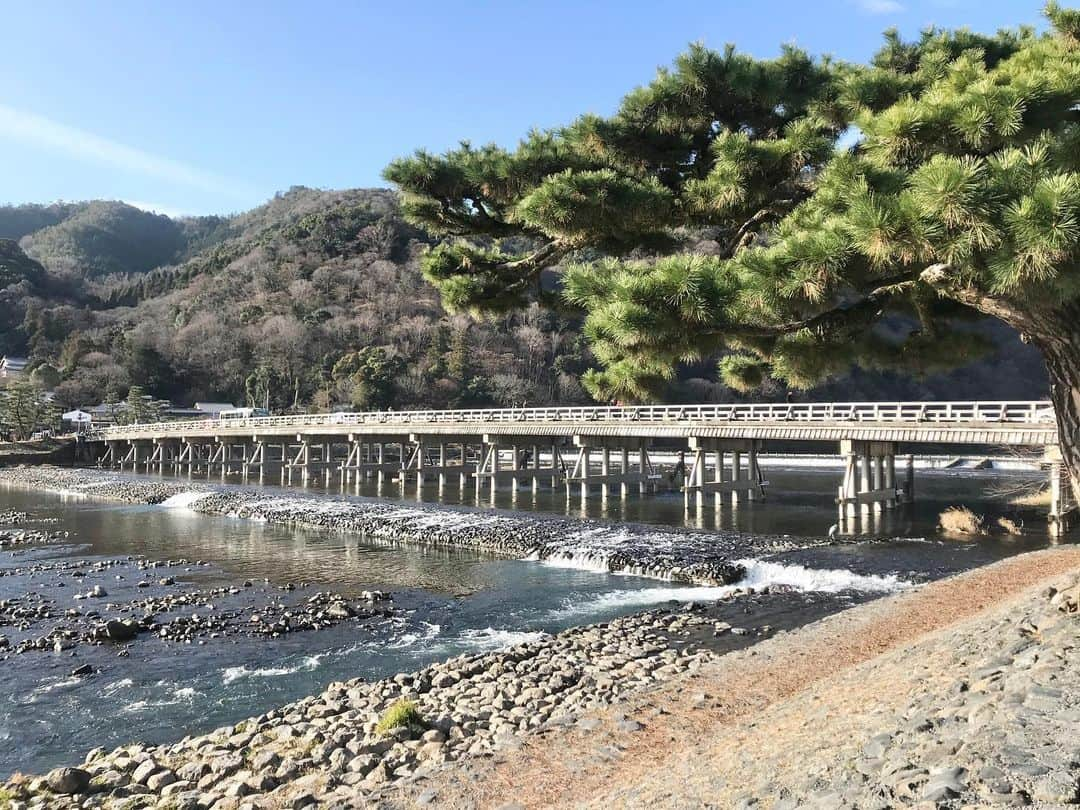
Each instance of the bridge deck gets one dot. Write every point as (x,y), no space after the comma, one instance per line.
(1027,423)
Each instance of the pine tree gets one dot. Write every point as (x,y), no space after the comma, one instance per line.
(138,407)
(25,409)
(938,179)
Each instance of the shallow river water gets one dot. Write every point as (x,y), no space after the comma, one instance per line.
(447,602)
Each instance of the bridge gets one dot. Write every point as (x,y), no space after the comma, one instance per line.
(605,448)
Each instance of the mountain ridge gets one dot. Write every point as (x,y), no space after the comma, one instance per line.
(315,299)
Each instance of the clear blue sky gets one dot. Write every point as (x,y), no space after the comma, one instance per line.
(211,107)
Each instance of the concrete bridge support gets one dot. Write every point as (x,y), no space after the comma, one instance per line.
(514,460)
(165,453)
(1063,505)
(622,474)
(440,458)
(741,480)
(869,485)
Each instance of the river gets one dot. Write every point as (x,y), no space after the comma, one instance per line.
(446,602)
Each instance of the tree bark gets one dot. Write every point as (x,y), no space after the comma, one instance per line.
(1062,354)
(1055,331)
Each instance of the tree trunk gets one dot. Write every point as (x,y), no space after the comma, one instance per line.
(1062,355)
(1055,330)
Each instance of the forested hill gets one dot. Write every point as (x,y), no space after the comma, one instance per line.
(315,300)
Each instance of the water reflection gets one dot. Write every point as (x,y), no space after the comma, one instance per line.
(798,501)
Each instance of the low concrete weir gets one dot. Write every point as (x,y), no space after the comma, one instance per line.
(604,450)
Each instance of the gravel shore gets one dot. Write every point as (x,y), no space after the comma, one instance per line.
(845,713)
(962,694)
(330,749)
(706,558)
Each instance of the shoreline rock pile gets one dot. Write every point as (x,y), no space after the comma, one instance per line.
(188,616)
(18,538)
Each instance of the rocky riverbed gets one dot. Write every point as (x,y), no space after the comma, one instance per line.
(357,741)
(683,556)
(70,602)
(992,727)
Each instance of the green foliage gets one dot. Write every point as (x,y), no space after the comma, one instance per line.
(46,376)
(600,205)
(372,374)
(16,266)
(139,407)
(836,197)
(102,237)
(1065,20)
(24,409)
(402,714)
(475,278)
(743,372)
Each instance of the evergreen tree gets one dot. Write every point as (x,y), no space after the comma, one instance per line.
(139,407)
(257,387)
(25,409)
(112,402)
(942,177)
(47,376)
(373,375)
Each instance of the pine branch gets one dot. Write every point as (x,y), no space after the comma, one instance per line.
(1023,320)
(536,261)
(861,311)
(744,235)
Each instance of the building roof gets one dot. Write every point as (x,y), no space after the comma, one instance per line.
(196,412)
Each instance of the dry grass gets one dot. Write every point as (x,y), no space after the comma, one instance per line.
(961,521)
(1010,526)
(1039,497)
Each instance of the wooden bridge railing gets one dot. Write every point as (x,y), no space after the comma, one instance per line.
(1034,412)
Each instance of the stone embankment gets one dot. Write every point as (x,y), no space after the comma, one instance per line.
(684,556)
(1001,731)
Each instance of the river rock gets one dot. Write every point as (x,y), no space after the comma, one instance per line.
(117,630)
(68,780)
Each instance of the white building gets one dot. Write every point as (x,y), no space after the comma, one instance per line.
(77,420)
(214,408)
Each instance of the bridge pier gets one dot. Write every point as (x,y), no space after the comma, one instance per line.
(582,472)
(1063,505)
(165,453)
(742,482)
(869,484)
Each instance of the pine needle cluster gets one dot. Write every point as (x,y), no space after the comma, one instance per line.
(941,175)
